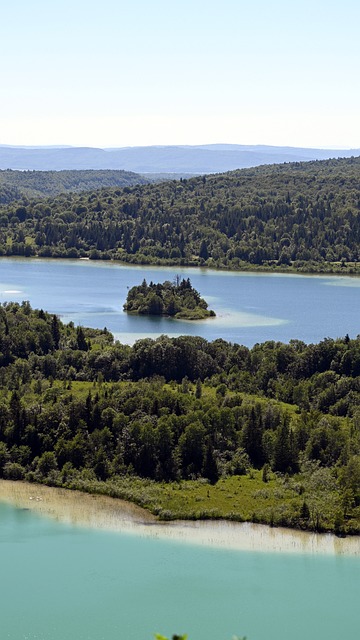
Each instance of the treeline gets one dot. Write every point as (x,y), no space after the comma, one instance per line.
(303,216)
(76,406)
(15,185)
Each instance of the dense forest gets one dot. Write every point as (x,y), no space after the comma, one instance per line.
(300,215)
(177,299)
(182,426)
(303,216)
(15,185)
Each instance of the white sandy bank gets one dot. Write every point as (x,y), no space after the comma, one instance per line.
(101,512)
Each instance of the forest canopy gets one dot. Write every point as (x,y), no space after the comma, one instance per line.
(302,216)
(15,185)
(183,426)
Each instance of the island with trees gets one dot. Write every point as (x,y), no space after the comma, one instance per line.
(177,299)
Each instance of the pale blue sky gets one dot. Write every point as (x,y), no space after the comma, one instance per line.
(112,73)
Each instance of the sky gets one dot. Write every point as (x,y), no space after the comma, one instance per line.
(118,73)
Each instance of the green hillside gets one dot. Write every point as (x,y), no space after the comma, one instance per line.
(184,427)
(302,216)
(15,185)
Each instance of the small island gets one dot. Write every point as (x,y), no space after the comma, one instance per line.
(177,299)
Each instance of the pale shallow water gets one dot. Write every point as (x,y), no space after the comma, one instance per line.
(102,512)
(250,307)
(62,581)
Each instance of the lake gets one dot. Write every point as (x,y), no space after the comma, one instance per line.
(64,582)
(61,581)
(250,307)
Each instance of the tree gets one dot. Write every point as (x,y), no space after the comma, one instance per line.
(55,331)
(198,389)
(210,468)
(166,468)
(252,437)
(350,478)
(155,305)
(284,454)
(47,463)
(203,253)
(322,497)
(81,343)
(4,457)
(192,449)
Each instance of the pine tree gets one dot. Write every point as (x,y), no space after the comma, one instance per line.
(55,331)
(210,468)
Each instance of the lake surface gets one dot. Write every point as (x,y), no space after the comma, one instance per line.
(63,582)
(250,307)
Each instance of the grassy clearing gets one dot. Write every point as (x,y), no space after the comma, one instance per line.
(277,502)
(238,498)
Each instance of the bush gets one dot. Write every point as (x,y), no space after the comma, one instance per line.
(13,471)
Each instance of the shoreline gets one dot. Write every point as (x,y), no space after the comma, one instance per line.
(111,514)
(246,268)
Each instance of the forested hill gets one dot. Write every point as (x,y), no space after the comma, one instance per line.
(158,422)
(303,215)
(36,184)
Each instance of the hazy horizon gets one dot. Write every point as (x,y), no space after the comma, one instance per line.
(136,146)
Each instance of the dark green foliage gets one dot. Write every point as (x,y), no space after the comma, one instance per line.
(82,345)
(198,391)
(210,468)
(285,454)
(55,331)
(178,299)
(73,402)
(305,512)
(303,216)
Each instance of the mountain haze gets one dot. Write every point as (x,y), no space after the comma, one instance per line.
(212,158)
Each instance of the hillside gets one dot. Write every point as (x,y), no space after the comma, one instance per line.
(299,215)
(172,424)
(212,158)
(37,184)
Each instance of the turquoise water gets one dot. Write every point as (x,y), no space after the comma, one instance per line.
(64,583)
(250,307)
(60,582)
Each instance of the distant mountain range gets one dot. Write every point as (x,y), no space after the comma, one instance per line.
(212,158)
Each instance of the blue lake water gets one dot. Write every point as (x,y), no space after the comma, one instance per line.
(62,582)
(250,307)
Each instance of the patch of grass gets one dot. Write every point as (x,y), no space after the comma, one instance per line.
(238,498)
